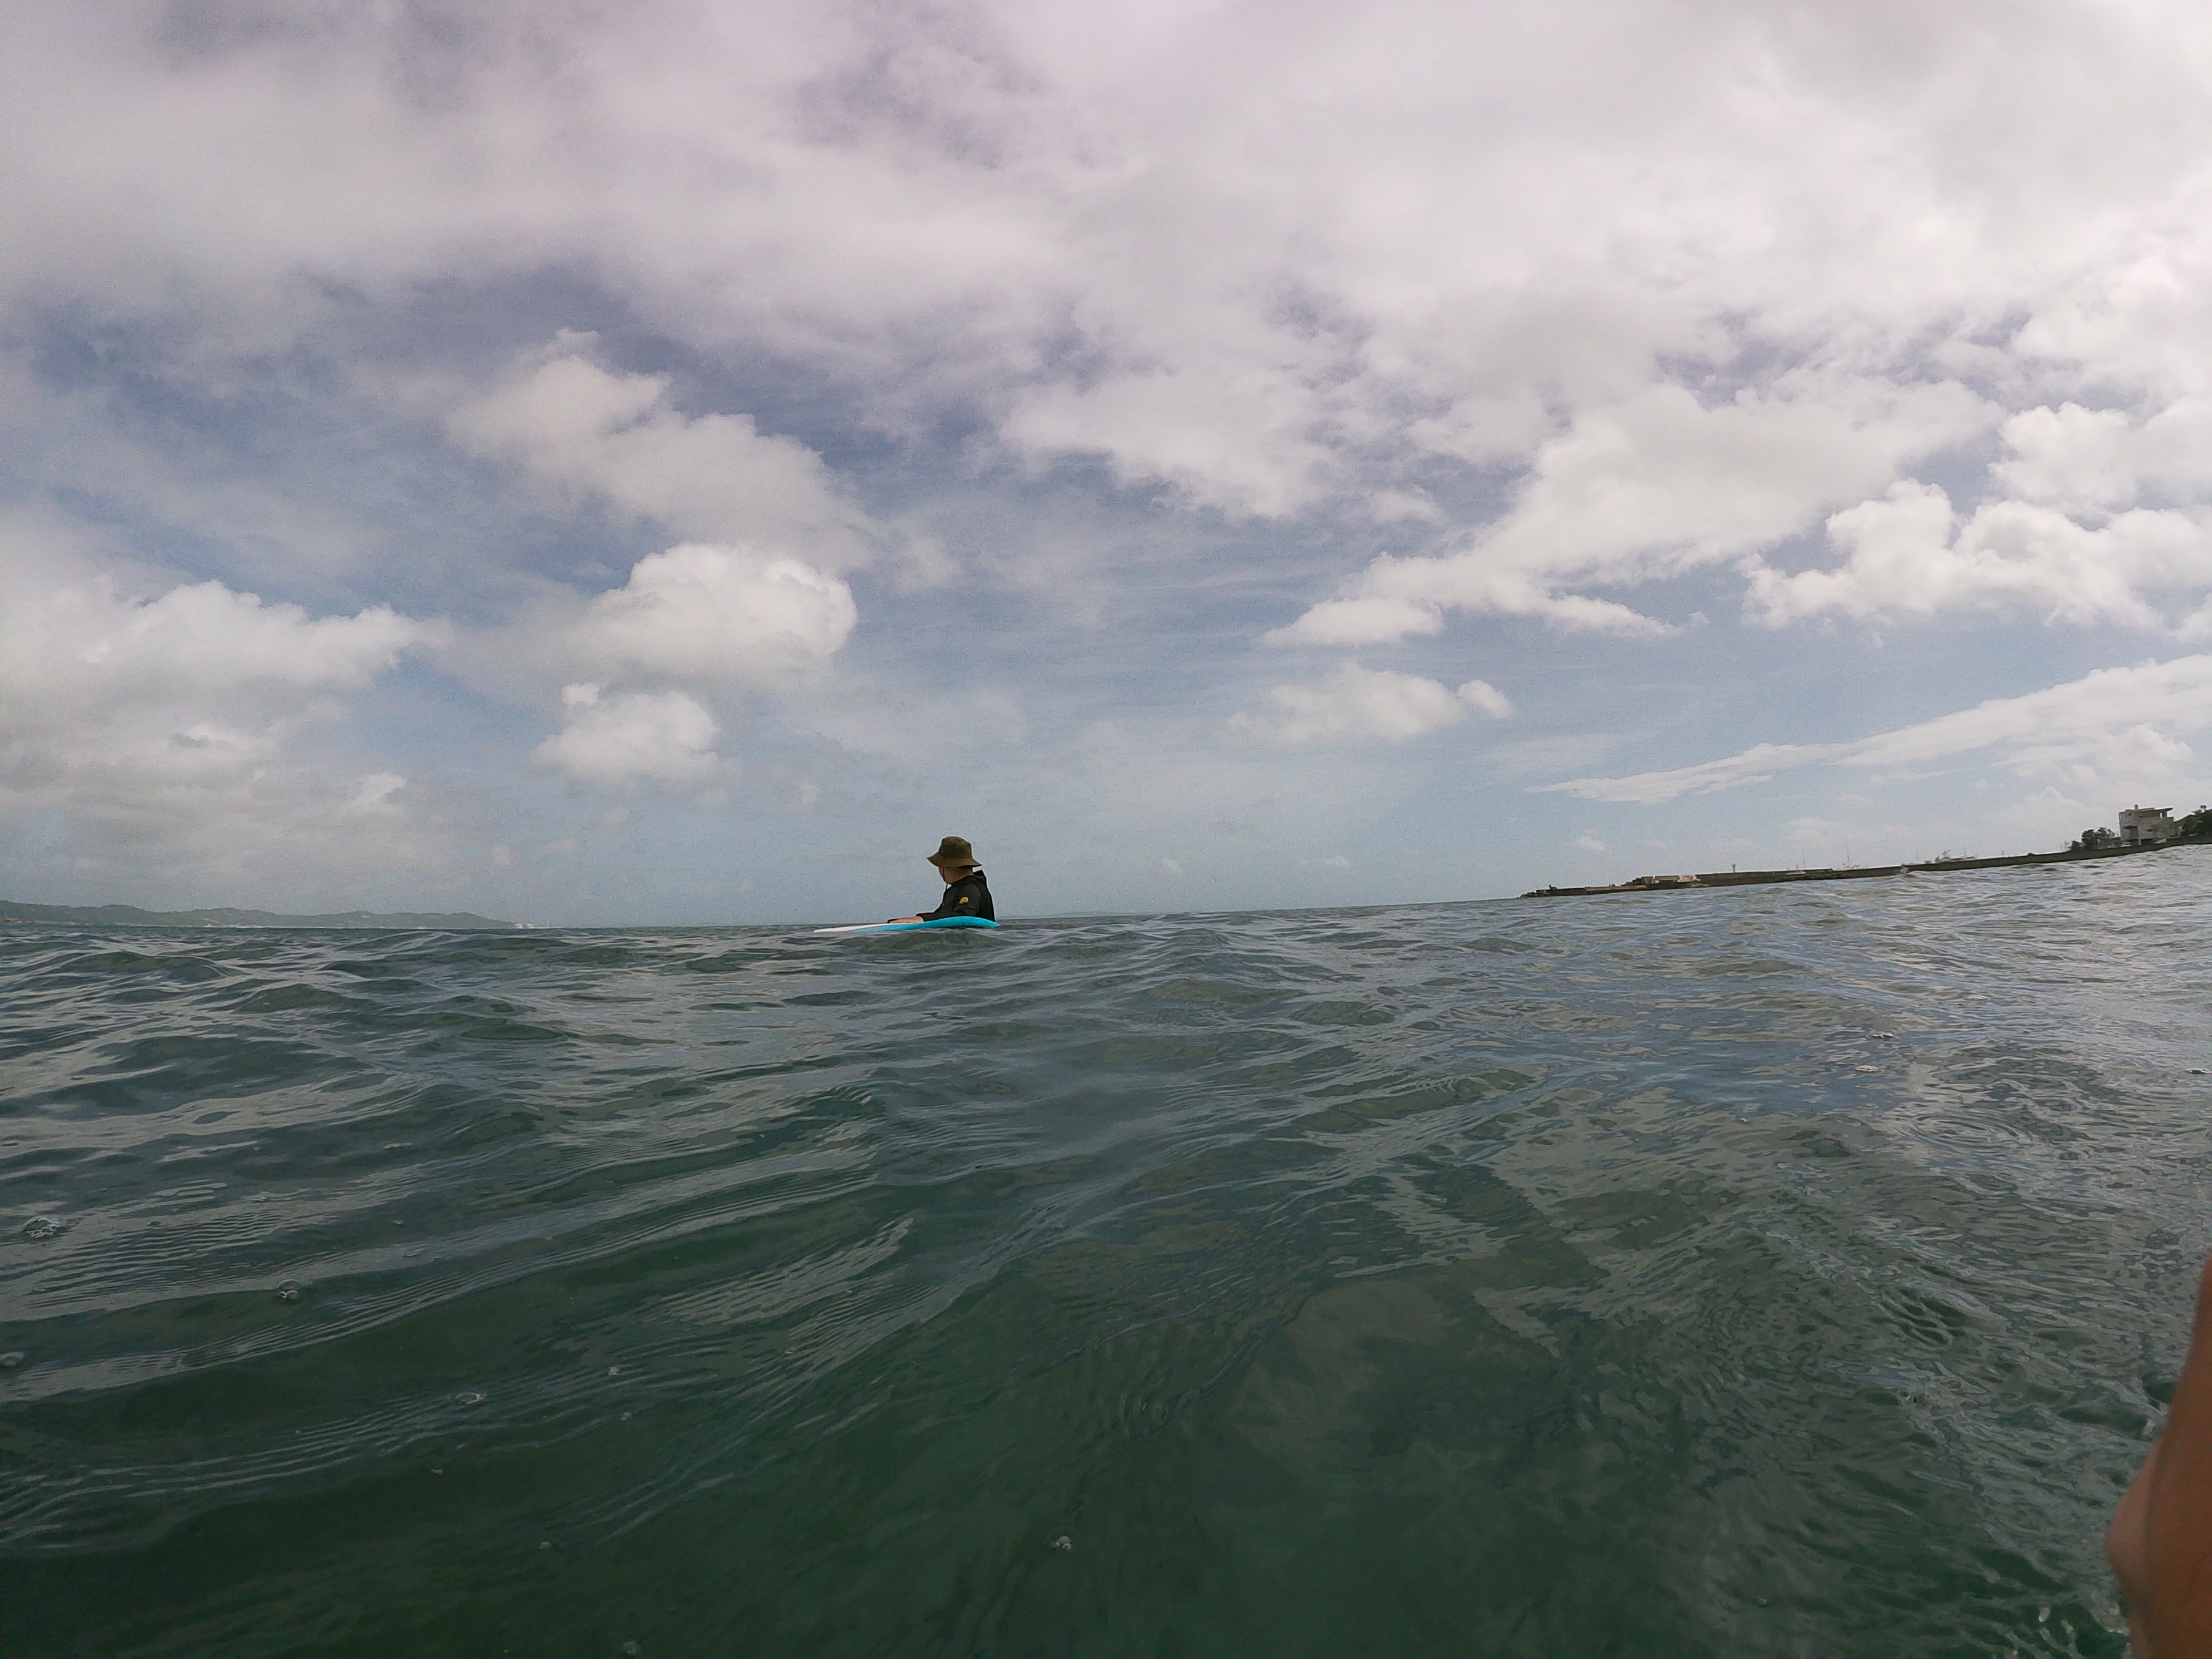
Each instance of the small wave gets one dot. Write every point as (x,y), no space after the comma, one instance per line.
(1744,1272)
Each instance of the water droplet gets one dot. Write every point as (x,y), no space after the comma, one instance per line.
(291,1291)
(43,1226)
(13,1361)
(471,1398)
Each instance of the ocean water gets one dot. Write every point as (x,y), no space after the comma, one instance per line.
(1794,1271)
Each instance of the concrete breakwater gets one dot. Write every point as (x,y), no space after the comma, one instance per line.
(1927,867)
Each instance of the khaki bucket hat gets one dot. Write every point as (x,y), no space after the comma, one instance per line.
(954,852)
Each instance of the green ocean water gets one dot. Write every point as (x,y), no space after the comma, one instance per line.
(1795,1271)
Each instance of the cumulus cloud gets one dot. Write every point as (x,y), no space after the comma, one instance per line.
(1439,231)
(1653,486)
(692,626)
(173,732)
(2083,461)
(2117,723)
(720,615)
(88,652)
(200,686)
(1354,702)
(631,737)
(584,430)
(1483,695)
(1908,556)
(1236,438)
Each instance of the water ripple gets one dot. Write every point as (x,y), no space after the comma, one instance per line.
(1784,1270)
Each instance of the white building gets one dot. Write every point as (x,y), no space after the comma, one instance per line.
(2147,826)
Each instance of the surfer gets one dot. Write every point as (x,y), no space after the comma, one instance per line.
(2161,1539)
(966,892)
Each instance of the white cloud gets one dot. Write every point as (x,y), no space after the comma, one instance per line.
(2116,725)
(1756,765)
(1483,695)
(1908,556)
(583,429)
(629,737)
(2088,461)
(172,738)
(1361,621)
(1392,237)
(1650,487)
(720,615)
(1435,230)
(715,618)
(86,651)
(641,665)
(1234,438)
(1354,702)
(2072,459)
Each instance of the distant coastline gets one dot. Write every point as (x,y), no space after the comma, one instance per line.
(129,915)
(1926,866)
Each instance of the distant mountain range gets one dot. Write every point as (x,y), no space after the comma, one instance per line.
(129,915)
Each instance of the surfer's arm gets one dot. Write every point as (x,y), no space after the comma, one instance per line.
(2159,1542)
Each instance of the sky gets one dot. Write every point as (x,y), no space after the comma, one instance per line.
(672,462)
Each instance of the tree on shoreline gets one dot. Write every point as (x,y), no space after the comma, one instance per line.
(2095,840)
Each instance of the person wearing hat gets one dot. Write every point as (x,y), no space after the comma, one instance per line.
(966,892)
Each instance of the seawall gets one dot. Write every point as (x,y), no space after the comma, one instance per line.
(1929,867)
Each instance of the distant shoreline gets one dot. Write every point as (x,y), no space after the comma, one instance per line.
(129,915)
(1927,867)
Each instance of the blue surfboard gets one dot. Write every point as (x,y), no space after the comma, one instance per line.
(911,927)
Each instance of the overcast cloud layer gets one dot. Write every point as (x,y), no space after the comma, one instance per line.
(677,461)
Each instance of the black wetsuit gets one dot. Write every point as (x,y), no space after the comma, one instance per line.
(970,895)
